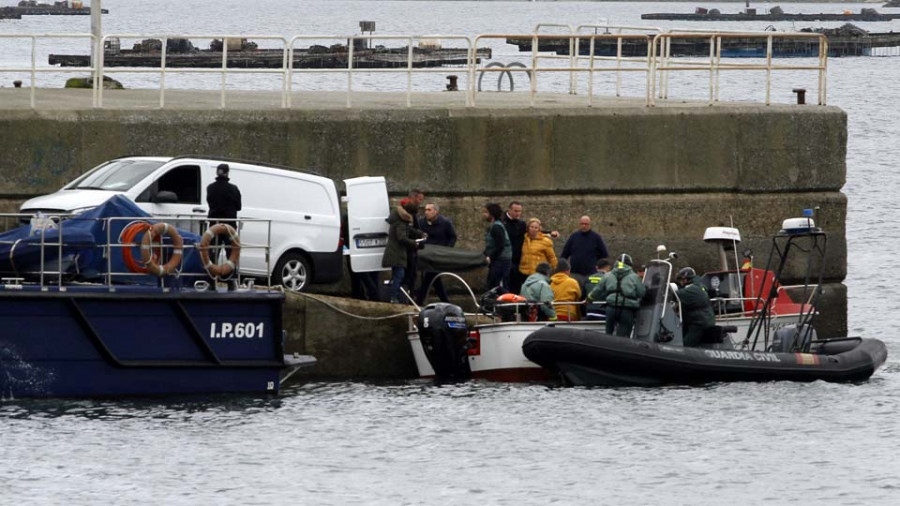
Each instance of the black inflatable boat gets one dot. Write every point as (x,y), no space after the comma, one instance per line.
(586,357)
(654,354)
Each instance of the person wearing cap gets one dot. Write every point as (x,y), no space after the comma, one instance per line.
(696,309)
(223,198)
(623,291)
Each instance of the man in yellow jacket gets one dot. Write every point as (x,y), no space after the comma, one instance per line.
(566,289)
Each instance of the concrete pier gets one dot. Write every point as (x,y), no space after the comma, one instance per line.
(647,175)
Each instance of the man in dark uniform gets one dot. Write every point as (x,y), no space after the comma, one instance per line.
(697,314)
(224,200)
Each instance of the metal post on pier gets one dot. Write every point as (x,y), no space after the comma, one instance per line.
(97,43)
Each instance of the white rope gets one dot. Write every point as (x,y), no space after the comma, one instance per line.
(339,310)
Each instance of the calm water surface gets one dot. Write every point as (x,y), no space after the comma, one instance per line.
(484,443)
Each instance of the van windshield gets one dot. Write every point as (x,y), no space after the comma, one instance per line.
(117,175)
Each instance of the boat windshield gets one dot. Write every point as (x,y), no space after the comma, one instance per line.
(117,175)
(656,279)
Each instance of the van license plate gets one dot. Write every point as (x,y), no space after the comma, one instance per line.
(374,242)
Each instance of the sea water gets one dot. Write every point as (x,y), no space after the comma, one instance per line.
(486,443)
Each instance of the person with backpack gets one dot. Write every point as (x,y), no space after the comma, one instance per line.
(623,291)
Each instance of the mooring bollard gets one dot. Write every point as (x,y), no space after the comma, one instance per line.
(17,83)
(801,95)
(452,86)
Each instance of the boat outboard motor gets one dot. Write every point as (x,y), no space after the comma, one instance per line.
(789,338)
(444,335)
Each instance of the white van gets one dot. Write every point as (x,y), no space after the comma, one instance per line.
(303,210)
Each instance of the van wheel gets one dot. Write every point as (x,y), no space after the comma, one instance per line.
(293,272)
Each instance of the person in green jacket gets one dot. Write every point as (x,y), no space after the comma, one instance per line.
(401,240)
(536,288)
(696,309)
(623,291)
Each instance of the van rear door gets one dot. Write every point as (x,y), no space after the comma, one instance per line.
(367,209)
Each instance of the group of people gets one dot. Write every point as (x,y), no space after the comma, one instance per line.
(521,259)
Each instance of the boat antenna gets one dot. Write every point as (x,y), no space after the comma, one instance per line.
(737,263)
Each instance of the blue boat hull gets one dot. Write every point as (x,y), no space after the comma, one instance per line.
(94,343)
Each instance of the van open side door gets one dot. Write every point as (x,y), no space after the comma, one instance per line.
(367,231)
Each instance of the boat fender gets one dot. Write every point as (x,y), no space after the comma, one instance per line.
(220,270)
(151,258)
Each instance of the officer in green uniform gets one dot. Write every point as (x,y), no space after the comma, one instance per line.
(623,290)
(696,309)
(595,309)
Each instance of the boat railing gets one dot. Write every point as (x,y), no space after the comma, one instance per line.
(50,276)
(34,69)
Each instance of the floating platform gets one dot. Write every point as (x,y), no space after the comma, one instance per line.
(45,10)
(274,58)
(751,15)
(842,41)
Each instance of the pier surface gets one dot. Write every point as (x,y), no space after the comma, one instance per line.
(646,175)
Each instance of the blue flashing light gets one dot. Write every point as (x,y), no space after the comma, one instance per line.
(807,213)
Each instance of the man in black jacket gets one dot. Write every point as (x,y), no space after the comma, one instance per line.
(440,232)
(515,229)
(224,200)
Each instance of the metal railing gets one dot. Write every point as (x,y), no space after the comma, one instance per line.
(224,70)
(34,69)
(658,65)
(113,246)
(351,70)
(662,59)
(573,68)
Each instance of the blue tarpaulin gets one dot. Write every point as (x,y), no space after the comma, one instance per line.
(84,245)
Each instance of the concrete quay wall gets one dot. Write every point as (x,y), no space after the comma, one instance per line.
(647,176)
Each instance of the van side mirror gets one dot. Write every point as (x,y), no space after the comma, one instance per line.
(165,197)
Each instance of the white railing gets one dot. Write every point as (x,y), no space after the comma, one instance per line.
(658,65)
(409,69)
(34,69)
(573,68)
(663,63)
(224,70)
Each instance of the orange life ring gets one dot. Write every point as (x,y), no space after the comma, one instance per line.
(126,239)
(511,298)
(151,258)
(220,270)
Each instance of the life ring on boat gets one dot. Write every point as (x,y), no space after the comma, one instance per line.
(226,269)
(151,258)
(126,239)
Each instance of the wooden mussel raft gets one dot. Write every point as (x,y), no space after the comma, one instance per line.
(775,14)
(241,53)
(33,8)
(847,40)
